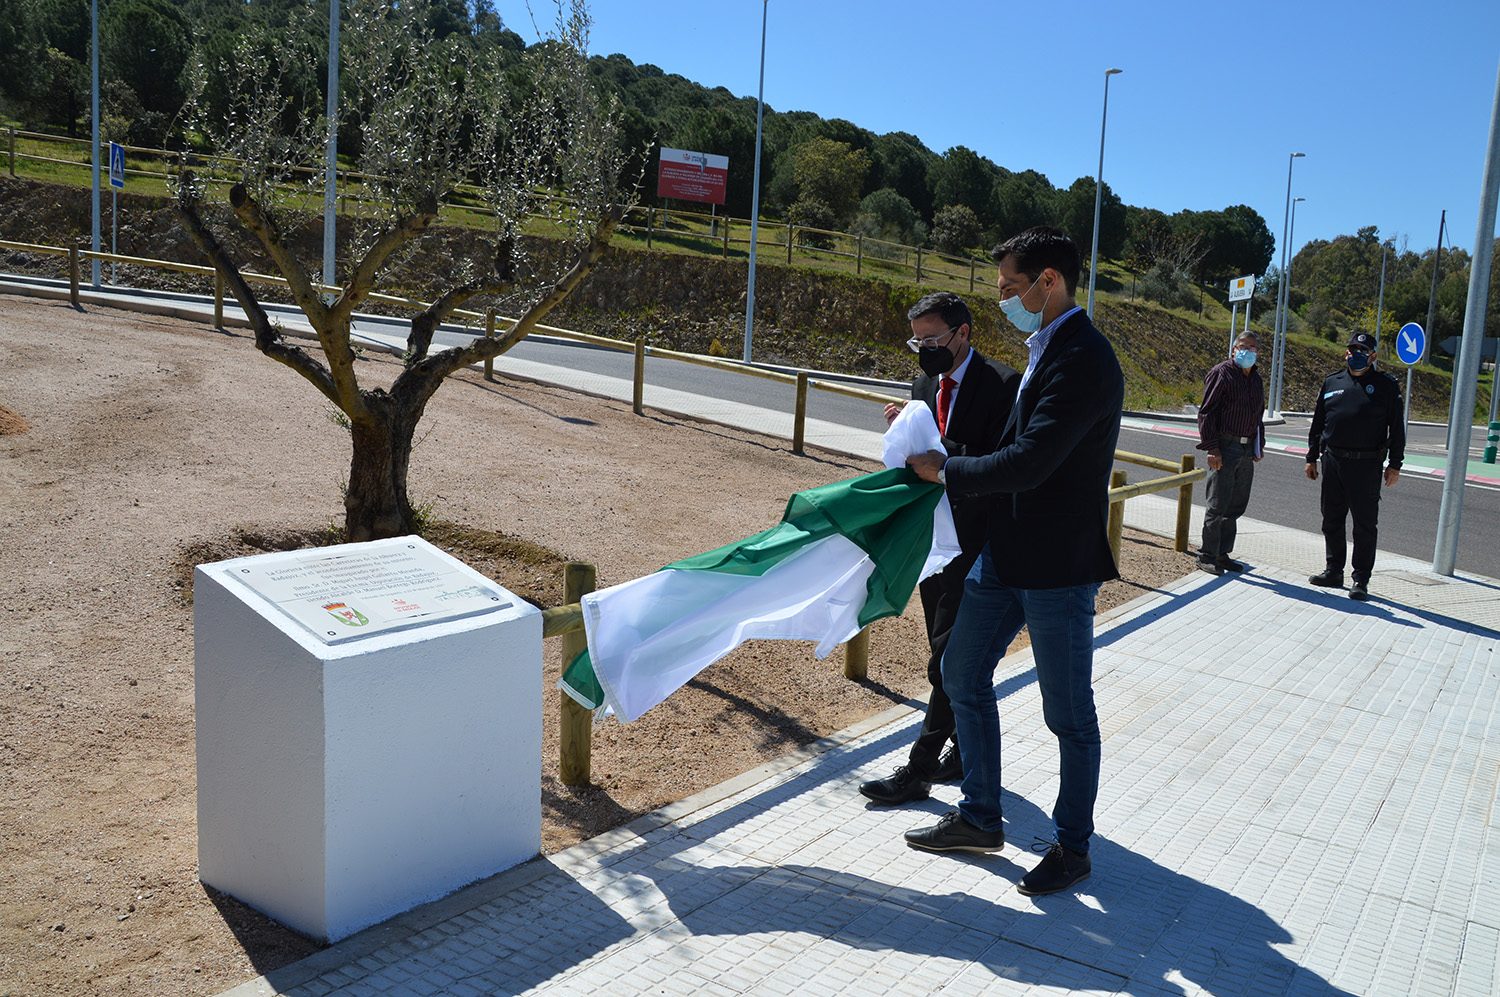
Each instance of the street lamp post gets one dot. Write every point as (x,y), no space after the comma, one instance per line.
(94,47)
(1099,190)
(760,108)
(1281,366)
(1277,345)
(331,180)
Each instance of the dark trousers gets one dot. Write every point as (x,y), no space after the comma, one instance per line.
(1351,487)
(1227,492)
(941,595)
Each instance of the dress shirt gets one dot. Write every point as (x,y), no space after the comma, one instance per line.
(1037,342)
(958,378)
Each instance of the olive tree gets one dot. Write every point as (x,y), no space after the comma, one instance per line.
(524,134)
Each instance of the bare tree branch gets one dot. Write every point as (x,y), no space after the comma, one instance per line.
(267,337)
(333,335)
(422,378)
(392,239)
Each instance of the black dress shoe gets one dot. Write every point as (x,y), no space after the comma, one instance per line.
(1360,590)
(1229,565)
(1059,869)
(950,766)
(1328,579)
(1212,567)
(903,787)
(954,834)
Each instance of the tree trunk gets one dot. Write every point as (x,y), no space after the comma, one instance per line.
(376,505)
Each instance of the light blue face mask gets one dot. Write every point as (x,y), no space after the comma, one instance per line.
(1245,358)
(1020,316)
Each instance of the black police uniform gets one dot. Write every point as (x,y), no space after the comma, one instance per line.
(1357,427)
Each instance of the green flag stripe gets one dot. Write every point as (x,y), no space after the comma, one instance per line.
(580,682)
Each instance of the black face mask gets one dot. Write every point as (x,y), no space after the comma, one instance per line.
(1358,361)
(935,362)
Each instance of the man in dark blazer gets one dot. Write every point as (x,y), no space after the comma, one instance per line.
(1047,554)
(971,397)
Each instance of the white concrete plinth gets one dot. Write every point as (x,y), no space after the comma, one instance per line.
(340,784)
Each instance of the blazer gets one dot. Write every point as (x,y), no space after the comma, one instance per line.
(1048,482)
(975,425)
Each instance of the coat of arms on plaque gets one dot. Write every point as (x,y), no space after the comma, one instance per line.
(347,615)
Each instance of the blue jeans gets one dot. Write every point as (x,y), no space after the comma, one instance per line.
(1061,624)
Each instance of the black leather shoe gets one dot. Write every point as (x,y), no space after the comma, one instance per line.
(954,834)
(1328,579)
(1059,869)
(1360,590)
(950,766)
(903,787)
(1212,567)
(1229,565)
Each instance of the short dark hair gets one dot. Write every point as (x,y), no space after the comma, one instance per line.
(949,306)
(1041,247)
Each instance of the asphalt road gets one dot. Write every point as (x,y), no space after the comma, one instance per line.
(1282,494)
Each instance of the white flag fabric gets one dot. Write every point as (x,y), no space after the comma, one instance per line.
(844,555)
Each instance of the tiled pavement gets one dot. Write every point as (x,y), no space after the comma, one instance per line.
(1299,797)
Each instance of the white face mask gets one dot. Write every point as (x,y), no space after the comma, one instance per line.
(1019,315)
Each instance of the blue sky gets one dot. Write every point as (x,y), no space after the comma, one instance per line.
(1391,101)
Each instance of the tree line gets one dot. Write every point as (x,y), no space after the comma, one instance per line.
(818,173)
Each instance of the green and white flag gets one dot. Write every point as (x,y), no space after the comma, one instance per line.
(843,556)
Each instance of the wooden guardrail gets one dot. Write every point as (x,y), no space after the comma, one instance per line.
(653,222)
(567,620)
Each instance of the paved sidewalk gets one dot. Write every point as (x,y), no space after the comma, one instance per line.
(1299,797)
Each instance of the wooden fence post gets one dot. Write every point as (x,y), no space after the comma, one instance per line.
(857,656)
(12,152)
(859,254)
(218,300)
(638,405)
(489,333)
(789,229)
(1116,515)
(726,236)
(799,416)
(1184,504)
(650,218)
(575,750)
(73,275)
(971,276)
(919,264)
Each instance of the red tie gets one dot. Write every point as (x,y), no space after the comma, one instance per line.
(945,402)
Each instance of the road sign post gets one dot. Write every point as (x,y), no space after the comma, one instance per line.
(1411,347)
(1240,289)
(116,184)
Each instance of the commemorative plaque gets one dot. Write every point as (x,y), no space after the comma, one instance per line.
(344,595)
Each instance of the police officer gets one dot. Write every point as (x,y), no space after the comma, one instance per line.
(1357,426)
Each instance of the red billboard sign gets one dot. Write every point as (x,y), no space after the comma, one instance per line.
(692,176)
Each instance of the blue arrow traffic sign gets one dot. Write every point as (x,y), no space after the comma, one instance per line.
(1411,343)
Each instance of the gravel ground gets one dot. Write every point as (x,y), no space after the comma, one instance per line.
(135,446)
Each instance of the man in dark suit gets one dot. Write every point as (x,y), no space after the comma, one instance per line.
(971,398)
(1047,554)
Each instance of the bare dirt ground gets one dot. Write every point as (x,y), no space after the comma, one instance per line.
(132,447)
